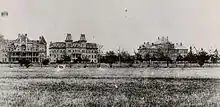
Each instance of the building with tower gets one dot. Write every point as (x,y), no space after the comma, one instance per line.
(76,50)
(23,48)
(165,46)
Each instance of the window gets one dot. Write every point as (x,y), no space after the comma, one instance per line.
(69,45)
(69,50)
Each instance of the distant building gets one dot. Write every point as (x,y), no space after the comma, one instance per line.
(75,49)
(23,48)
(3,49)
(165,46)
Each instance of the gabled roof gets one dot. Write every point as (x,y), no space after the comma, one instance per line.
(22,38)
(42,40)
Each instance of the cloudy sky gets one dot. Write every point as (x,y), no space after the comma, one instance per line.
(193,22)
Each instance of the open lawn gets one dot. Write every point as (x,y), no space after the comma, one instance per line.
(109,87)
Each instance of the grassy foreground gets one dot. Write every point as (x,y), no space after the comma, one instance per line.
(45,88)
(86,92)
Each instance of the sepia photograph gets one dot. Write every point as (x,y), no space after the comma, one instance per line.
(109,53)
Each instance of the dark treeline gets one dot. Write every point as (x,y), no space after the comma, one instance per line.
(112,57)
(124,57)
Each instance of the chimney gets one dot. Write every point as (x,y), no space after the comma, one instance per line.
(83,37)
(163,38)
(158,38)
(181,44)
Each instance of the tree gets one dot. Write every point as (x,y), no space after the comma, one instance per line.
(214,58)
(179,58)
(45,62)
(102,59)
(153,57)
(190,57)
(125,57)
(131,60)
(162,57)
(111,57)
(202,57)
(147,57)
(138,57)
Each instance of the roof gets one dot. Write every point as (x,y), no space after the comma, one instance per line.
(153,47)
(162,40)
(180,46)
(42,40)
(23,38)
(57,45)
(91,46)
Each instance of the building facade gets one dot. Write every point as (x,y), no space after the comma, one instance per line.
(163,45)
(3,49)
(74,49)
(23,48)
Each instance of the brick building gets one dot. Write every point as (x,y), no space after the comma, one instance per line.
(74,49)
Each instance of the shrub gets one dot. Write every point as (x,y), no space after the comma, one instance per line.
(45,62)
(24,62)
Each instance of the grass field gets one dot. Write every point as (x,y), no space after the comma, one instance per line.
(109,87)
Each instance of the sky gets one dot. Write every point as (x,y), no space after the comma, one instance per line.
(193,22)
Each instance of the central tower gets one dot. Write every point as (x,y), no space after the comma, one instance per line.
(69,38)
(83,38)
